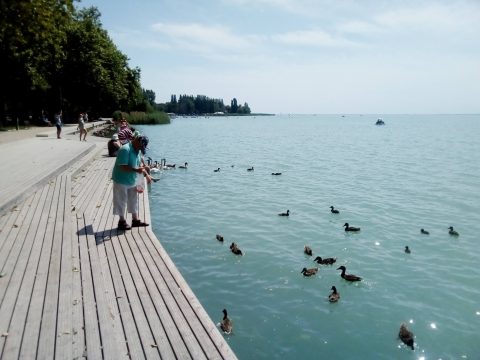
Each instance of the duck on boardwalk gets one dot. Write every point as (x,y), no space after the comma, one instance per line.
(309,272)
(234,248)
(307,250)
(250,169)
(348,277)
(276,173)
(406,336)
(333,210)
(285,213)
(183,166)
(334,296)
(407,250)
(219,237)
(216,170)
(452,232)
(226,325)
(425,232)
(325,261)
(351,228)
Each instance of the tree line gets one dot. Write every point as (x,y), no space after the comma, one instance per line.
(57,57)
(201,104)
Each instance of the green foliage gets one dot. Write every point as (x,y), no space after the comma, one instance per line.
(143,118)
(188,104)
(117,115)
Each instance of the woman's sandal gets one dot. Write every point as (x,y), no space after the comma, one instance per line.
(122,225)
(138,223)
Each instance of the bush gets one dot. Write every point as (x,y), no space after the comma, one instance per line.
(142,118)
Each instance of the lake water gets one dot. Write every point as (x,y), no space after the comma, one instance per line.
(417,171)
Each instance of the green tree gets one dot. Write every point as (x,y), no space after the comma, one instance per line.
(234,106)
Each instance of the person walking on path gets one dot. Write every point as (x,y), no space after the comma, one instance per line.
(81,127)
(124,175)
(58,123)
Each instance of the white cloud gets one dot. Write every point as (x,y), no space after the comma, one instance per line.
(312,38)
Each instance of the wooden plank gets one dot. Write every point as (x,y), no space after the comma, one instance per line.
(13,311)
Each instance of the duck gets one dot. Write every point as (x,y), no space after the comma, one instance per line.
(276,173)
(226,325)
(216,170)
(407,250)
(334,296)
(333,210)
(172,166)
(183,166)
(308,250)
(325,261)
(350,228)
(234,248)
(348,277)
(250,169)
(452,232)
(309,272)
(219,237)
(285,213)
(425,232)
(406,336)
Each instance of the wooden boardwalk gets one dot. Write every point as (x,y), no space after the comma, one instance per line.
(72,286)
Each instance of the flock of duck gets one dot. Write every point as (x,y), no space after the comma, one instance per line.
(226,324)
(404,334)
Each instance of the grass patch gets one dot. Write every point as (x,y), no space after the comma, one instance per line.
(143,118)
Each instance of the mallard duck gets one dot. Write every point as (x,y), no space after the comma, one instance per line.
(309,272)
(308,250)
(333,210)
(219,237)
(452,232)
(326,261)
(407,250)
(350,228)
(406,336)
(250,169)
(276,174)
(226,325)
(183,166)
(348,277)
(234,248)
(334,296)
(425,232)
(285,213)
(216,170)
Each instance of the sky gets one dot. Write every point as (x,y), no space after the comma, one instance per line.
(305,56)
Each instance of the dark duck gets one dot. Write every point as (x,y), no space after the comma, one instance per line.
(425,232)
(324,261)
(348,277)
(406,336)
(351,228)
(250,169)
(183,166)
(226,325)
(452,232)
(219,237)
(309,272)
(285,213)
(234,248)
(308,250)
(334,296)
(333,210)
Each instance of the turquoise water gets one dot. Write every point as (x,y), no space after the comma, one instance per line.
(414,172)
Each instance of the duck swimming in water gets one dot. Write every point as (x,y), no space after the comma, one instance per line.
(309,272)
(452,232)
(226,325)
(216,170)
(406,336)
(407,250)
(351,228)
(348,277)
(250,169)
(308,250)
(219,237)
(334,296)
(425,232)
(234,248)
(183,166)
(325,261)
(333,210)
(285,213)
(276,174)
